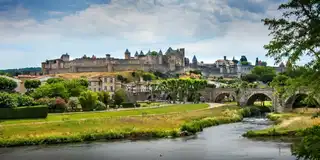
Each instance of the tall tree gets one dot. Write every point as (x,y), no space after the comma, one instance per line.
(295,35)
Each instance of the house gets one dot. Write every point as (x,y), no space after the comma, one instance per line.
(102,83)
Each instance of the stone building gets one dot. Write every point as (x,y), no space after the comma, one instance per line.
(103,83)
(171,60)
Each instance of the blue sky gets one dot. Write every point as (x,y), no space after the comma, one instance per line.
(32,31)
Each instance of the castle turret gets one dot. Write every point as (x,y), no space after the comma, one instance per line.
(194,61)
(136,55)
(160,57)
(65,57)
(141,53)
(127,54)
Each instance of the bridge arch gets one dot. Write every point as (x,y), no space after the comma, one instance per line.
(221,96)
(258,96)
(294,101)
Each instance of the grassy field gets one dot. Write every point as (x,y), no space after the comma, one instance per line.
(288,124)
(108,127)
(106,114)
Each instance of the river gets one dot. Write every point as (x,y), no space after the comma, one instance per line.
(222,142)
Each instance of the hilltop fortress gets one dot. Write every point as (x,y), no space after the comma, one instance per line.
(172,60)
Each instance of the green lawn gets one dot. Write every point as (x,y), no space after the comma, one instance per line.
(92,115)
(158,125)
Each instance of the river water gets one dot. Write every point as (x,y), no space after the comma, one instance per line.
(222,142)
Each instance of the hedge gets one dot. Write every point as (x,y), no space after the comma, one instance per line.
(24,112)
(127,105)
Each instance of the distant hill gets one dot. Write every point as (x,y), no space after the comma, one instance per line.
(19,71)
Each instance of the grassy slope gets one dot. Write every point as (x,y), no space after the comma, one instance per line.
(106,114)
(21,134)
(287,123)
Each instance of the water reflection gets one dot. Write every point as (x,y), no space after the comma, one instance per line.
(216,143)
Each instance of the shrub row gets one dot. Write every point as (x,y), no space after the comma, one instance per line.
(24,112)
(127,105)
(198,125)
(86,136)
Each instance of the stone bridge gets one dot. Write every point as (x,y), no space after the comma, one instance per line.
(245,97)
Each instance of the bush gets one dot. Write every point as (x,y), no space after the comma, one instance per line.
(57,105)
(7,100)
(88,100)
(24,112)
(74,105)
(100,106)
(44,101)
(127,105)
(24,100)
(309,147)
(138,105)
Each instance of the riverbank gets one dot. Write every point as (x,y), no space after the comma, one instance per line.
(124,127)
(287,124)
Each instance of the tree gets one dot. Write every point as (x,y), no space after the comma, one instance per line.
(119,96)
(243,59)
(51,91)
(88,100)
(295,35)
(147,77)
(54,80)
(250,78)
(7,85)
(31,84)
(75,86)
(104,97)
(265,73)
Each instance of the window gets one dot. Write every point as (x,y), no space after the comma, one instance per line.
(106,79)
(99,89)
(111,88)
(111,80)
(105,88)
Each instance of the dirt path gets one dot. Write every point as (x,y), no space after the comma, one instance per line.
(286,123)
(214,105)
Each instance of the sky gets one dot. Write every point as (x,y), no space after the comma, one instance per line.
(32,31)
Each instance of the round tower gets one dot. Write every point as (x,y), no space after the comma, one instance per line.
(127,54)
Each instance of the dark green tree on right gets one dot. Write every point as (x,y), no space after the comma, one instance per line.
(296,36)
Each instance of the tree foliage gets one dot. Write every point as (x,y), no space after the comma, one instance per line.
(250,78)
(54,80)
(182,89)
(295,35)
(264,73)
(7,85)
(309,147)
(104,97)
(119,96)
(88,100)
(31,84)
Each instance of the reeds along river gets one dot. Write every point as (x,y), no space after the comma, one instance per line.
(222,142)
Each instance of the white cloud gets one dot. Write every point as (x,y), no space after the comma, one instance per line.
(227,31)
